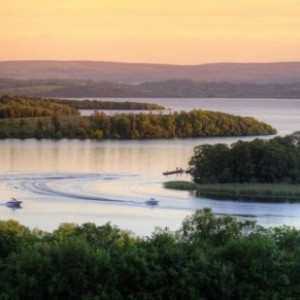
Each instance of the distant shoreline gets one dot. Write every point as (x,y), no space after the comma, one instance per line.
(181,88)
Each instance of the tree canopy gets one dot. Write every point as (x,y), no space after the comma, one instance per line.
(28,107)
(209,257)
(263,161)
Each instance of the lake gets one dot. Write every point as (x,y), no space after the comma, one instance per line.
(89,181)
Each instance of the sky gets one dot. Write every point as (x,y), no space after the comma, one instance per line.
(151,31)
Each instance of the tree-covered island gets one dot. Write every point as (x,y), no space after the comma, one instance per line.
(24,117)
(108,105)
(22,106)
(260,170)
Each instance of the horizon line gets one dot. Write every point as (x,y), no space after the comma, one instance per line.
(146,63)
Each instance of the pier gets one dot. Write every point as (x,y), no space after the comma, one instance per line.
(177,171)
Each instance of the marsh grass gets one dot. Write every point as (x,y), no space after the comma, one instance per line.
(180,185)
(242,192)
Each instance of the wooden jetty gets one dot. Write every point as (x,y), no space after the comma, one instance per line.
(177,171)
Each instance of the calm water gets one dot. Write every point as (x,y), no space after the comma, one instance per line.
(88,181)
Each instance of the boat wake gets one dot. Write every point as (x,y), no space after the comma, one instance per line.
(80,186)
(133,191)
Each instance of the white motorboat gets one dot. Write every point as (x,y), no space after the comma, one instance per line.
(152,201)
(13,202)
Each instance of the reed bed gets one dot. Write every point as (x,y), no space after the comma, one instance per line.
(281,192)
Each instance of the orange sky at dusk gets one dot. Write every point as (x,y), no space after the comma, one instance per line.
(151,31)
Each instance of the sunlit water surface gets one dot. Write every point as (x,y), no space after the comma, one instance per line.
(88,181)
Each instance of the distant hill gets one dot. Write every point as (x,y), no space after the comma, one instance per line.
(134,73)
(161,89)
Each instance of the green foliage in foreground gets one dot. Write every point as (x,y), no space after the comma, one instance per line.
(208,258)
(264,161)
(258,192)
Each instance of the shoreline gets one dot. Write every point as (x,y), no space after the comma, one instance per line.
(244,192)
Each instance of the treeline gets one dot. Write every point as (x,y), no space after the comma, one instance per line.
(28,107)
(159,89)
(99,126)
(109,105)
(262,161)
(209,257)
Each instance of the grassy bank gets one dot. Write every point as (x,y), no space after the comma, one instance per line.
(242,192)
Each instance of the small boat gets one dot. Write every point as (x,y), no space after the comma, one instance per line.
(152,201)
(13,202)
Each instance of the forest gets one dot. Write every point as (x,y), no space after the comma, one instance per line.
(41,118)
(260,161)
(209,257)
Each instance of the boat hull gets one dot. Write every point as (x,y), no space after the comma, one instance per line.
(152,202)
(14,203)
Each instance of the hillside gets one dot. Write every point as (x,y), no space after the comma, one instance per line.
(163,89)
(134,73)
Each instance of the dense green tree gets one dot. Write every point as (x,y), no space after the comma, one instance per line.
(203,226)
(272,161)
(211,163)
(12,237)
(209,257)
(241,164)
